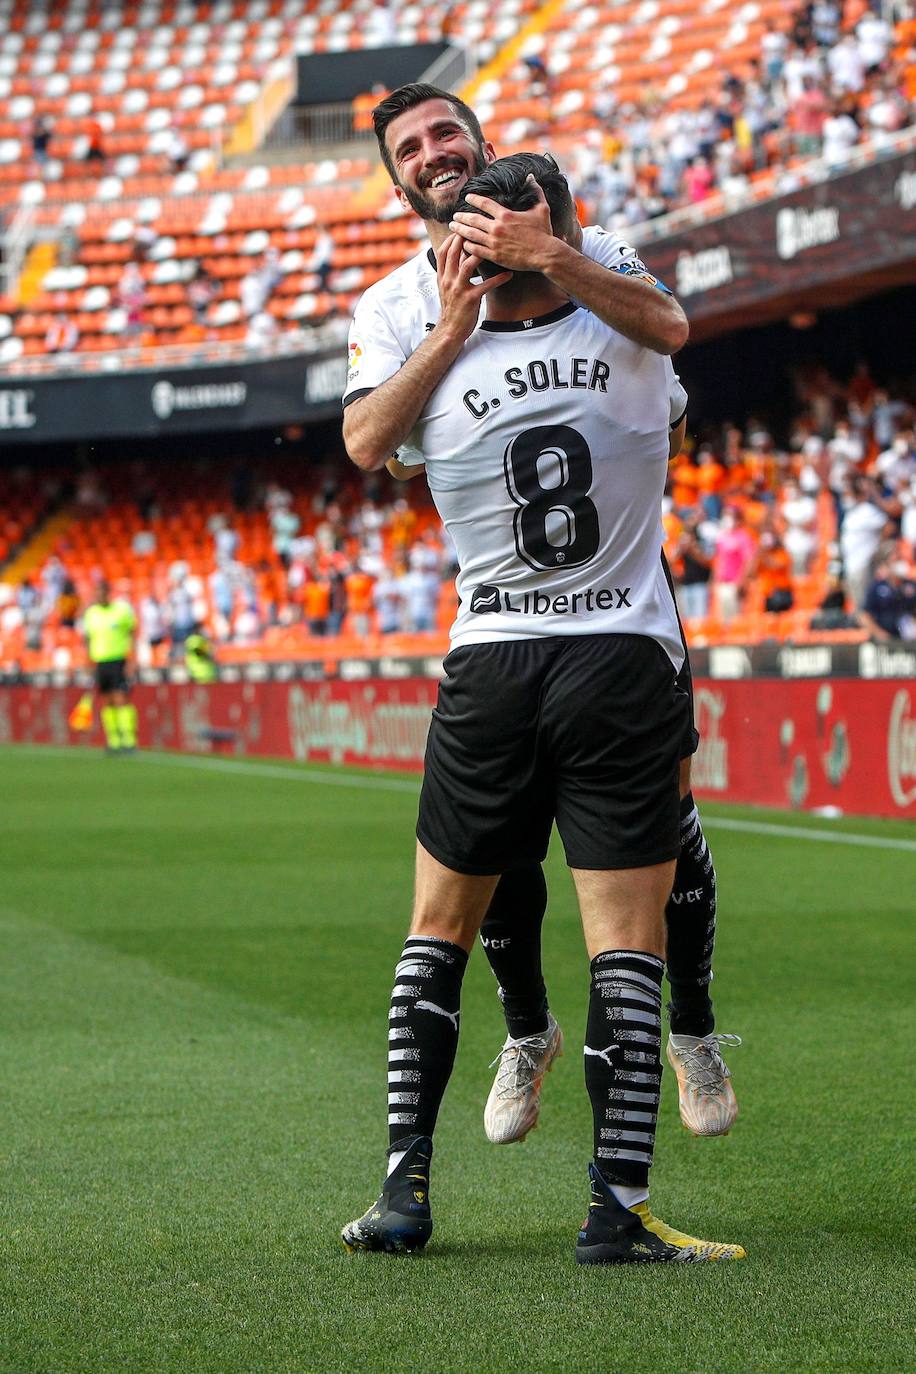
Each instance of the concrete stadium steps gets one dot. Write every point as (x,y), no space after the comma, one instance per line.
(36,550)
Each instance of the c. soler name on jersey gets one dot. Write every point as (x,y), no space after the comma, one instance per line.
(581,374)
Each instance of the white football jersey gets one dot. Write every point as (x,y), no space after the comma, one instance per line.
(546,449)
(394,316)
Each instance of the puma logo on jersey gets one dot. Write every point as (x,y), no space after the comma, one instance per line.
(488,600)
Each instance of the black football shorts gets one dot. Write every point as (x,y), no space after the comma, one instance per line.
(111,676)
(586,730)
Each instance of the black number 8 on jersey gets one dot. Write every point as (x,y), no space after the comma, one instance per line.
(555,526)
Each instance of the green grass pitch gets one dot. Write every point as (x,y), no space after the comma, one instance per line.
(196,964)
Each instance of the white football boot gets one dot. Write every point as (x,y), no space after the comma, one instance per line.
(515,1099)
(705,1095)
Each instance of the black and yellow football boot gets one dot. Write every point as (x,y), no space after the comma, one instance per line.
(400,1222)
(614,1234)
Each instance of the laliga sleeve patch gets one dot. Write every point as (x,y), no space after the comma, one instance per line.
(635,267)
(354,356)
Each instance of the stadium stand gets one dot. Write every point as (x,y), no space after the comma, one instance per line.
(666,104)
(122,159)
(289,560)
(146,238)
(116,118)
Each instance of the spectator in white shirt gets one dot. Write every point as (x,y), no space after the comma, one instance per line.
(258,284)
(225,539)
(799,64)
(800,514)
(840,134)
(825,20)
(177,149)
(860,538)
(262,329)
(874,36)
(847,68)
(888,112)
(908,519)
(845,451)
(152,622)
(388,597)
(380,27)
(887,415)
(898,463)
(321,259)
(773,44)
(420,592)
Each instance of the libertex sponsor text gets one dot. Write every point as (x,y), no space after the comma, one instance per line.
(798,229)
(887,660)
(490,600)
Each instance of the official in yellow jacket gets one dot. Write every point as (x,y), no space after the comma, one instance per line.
(108,628)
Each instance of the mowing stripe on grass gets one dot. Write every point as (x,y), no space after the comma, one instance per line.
(402,785)
(789,832)
(301,774)
(360,781)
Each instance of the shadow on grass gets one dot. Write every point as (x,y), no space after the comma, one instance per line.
(537,1245)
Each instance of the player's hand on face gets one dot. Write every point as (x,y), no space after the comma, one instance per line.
(515,238)
(459,296)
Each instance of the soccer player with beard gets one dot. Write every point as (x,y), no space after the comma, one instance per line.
(546,444)
(402,343)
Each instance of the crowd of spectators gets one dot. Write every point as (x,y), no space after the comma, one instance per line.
(818,90)
(826,524)
(821,526)
(334,558)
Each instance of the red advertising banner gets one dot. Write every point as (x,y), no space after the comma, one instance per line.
(843,742)
(839,743)
(376,724)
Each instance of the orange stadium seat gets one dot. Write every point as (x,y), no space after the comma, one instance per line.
(202,75)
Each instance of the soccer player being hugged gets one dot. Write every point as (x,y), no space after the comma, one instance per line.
(546,436)
(108,628)
(401,343)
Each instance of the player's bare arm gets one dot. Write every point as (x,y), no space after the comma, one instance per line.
(401,472)
(376,425)
(522,240)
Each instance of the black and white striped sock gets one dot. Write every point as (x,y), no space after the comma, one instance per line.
(622,1066)
(691,920)
(422,1034)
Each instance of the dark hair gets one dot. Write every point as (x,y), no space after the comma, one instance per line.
(506,182)
(408,98)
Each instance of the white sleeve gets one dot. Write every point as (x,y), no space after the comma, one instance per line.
(612,251)
(374,353)
(677,396)
(410,457)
